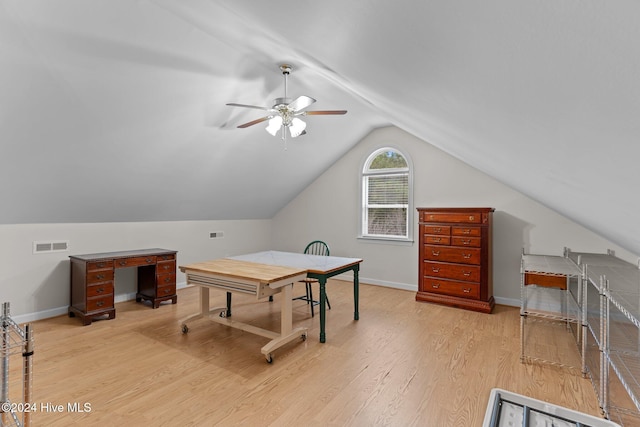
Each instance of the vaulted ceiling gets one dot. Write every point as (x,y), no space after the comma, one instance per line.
(114,110)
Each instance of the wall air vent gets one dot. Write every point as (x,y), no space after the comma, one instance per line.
(41,247)
(216,234)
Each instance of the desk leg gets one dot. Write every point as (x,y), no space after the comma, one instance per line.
(322,280)
(356,290)
(228,313)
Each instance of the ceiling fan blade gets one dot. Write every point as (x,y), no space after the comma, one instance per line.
(324,112)
(254,122)
(301,102)
(233,104)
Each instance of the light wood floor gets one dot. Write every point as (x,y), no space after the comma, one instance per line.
(404,363)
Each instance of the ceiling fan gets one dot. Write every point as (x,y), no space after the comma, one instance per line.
(285,112)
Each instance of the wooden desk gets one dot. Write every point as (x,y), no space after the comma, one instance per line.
(318,267)
(238,276)
(92,275)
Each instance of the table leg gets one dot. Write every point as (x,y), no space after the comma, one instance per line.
(322,280)
(228,313)
(356,287)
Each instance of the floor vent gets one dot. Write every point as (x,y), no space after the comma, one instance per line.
(41,247)
(216,234)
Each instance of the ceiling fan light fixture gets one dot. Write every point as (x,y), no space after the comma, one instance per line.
(275,123)
(296,127)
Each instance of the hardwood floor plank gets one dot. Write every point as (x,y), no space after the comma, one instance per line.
(405,363)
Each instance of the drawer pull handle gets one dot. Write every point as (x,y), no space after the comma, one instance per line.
(100,276)
(166,291)
(148,260)
(435,270)
(167,280)
(435,285)
(437,230)
(435,253)
(437,239)
(466,231)
(471,217)
(100,303)
(466,290)
(466,273)
(432,216)
(466,242)
(100,290)
(466,256)
(123,262)
(166,267)
(100,264)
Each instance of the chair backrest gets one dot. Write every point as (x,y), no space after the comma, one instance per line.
(317,247)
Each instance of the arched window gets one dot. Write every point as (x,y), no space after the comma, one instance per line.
(386,195)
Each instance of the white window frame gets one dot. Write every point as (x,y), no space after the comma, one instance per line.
(365,172)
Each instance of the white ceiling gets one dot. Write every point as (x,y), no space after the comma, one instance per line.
(114,110)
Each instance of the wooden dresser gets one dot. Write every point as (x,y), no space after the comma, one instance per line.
(92,278)
(455,257)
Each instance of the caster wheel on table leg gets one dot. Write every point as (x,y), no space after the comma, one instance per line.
(185,329)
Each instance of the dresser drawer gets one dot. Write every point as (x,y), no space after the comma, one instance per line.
(166,267)
(470,273)
(100,265)
(474,242)
(443,230)
(100,303)
(451,287)
(450,254)
(101,289)
(437,240)
(455,217)
(135,262)
(98,276)
(466,231)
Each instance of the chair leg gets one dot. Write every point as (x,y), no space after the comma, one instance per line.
(327,299)
(310,297)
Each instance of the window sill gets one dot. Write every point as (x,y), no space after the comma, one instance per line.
(387,240)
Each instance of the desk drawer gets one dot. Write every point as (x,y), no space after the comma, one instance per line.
(100,265)
(166,267)
(164,291)
(99,276)
(100,289)
(166,257)
(451,287)
(449,254)
(166,279)
(469,273)
(135,262)
(100,303)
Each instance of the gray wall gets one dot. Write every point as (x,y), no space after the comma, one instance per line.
(329,210)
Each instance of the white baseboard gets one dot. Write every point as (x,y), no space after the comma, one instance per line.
(59,311)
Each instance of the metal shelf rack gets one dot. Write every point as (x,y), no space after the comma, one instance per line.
(16,342)
(551,292)
(611,312)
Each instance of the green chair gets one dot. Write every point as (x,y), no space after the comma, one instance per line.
(317,247)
